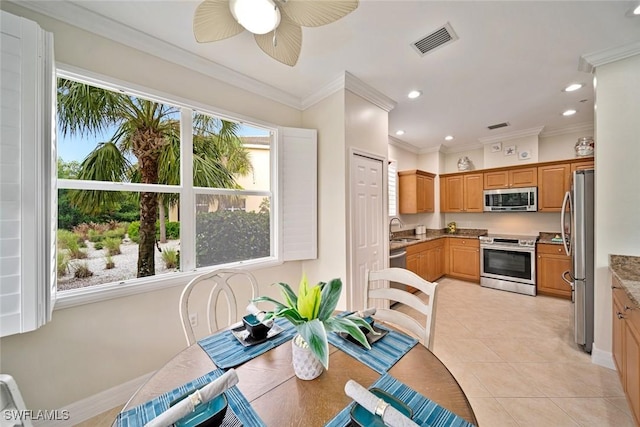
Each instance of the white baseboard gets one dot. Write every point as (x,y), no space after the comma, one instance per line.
(91,406)
(602,358)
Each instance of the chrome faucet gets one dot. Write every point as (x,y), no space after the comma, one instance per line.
(395,218)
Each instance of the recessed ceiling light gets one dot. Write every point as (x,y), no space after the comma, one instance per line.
(414,94)
(633,12)
(399,132)
(572,87)
(636,11)
(569,113)
(448,138)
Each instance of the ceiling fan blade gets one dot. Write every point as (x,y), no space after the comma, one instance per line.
(289,42)
(213,21)
(314,13)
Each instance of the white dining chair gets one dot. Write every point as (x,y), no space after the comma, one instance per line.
(376,290)
(215,283)
(11,403)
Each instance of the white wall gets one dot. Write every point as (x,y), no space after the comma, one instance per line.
(328,117)
(560,146)
(617,180)
(91,348)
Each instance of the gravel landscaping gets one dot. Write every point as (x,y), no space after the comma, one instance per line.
(126,265)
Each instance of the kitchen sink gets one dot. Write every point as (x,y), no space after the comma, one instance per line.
(404,239)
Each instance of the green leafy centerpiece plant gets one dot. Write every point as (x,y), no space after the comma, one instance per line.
(311,312)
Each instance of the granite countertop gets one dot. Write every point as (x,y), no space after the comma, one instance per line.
(464,233)
(627,270)
(546,238)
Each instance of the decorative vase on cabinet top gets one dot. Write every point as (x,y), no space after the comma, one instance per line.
(584,146)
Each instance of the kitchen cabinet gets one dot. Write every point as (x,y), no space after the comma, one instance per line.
(553,182)
(511,178)
(587,164)
(463,259)
(626,346)
(461,192)
(427,259)
(552,262)
(416,192)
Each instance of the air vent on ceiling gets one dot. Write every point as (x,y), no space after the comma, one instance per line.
(440,37)
(498,126)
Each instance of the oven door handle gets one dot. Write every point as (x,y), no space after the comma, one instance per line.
(509,248)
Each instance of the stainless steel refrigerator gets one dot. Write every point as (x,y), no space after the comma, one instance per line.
(578,233)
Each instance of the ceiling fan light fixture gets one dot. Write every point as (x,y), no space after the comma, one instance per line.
(256,16)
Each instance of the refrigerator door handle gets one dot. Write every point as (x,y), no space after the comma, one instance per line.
(570,280)
(563,212)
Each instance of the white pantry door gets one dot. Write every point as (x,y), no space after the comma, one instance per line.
(367,213)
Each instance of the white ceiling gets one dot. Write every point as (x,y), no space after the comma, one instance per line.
(510,63)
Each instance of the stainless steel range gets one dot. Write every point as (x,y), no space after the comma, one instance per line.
(508,263)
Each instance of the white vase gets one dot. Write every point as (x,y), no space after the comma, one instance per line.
(305,365)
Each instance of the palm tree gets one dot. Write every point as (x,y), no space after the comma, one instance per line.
(148,131)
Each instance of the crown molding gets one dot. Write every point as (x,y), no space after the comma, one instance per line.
(593,60)
(327,90)
(353,84)
(403,145)
(77,16)
(580,127)
(512,135)
(357,86)
(461,148)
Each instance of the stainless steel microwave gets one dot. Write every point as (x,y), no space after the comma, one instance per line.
(511,200)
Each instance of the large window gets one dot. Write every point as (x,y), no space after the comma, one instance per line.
(147,187)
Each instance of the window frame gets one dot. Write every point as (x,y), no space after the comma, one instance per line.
(186,190)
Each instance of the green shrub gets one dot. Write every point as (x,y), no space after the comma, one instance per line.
(173,230)
(66,238)
(108,263)
(134,231)
(117,233)
(98,245)
(62,264)
(82,271)
(171,258)
(223,237)
(95,236)
(113,246)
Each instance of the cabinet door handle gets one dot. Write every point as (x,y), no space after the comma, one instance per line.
(626,307)
(620,315)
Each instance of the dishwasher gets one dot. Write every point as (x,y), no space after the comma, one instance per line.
(398,259)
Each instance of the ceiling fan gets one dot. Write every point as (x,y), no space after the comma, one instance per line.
(276,24)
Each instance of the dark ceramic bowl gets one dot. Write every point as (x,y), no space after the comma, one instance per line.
(210,414)
(256,328)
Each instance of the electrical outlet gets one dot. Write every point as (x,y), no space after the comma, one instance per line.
(193,319)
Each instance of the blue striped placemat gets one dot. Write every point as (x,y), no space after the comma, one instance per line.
(384,353)
(239,411)
(426,413)
(227,352)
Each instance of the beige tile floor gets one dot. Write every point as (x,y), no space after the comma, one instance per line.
(515,359)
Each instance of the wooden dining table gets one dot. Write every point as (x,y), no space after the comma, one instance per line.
(281,399)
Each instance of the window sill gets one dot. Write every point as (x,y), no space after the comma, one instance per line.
(99,293)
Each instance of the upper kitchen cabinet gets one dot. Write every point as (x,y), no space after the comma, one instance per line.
(587,164)
(511,178)
(554,180)
(553,183)
(461,192)
(416,191)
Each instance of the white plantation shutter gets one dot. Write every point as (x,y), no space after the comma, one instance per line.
(299,193)
(393,188)
(27,245)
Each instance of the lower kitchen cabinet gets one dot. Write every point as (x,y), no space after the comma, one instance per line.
(626,346)
(427,259)
(552,261)
(463,259)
